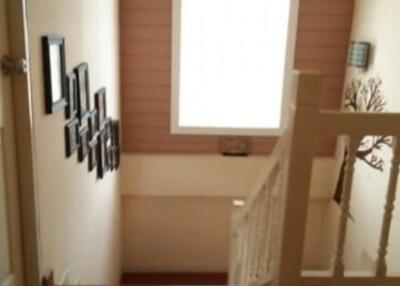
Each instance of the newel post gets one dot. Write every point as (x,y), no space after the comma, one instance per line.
(307,90)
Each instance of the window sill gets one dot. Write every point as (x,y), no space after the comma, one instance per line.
(224,131)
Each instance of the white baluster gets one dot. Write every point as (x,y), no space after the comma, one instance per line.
(261,231)
(246,246)
(254,238)
(270,217)
(275,216)
(381,266)
(249,245)
(345,207)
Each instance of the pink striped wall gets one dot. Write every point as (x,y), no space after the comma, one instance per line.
(145,27)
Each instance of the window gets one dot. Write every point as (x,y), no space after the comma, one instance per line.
(230,64)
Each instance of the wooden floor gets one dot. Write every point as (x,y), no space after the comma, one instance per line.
(174,279)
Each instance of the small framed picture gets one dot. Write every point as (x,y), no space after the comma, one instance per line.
(71,137)
(112,158)
(82,77)
(71,109)
(93,123)
(108,130)
(100,104)
(93,153)
(83,144)
(117,157)
(101,155)
(115,133)
(109,157)
(54,73)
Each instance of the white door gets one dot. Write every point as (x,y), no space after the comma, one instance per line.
(5,249)
(6,277)
(10,248)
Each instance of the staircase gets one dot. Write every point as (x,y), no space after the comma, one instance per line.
(268,230)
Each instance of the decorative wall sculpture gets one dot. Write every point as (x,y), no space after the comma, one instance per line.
(88,131)
(365,96)
(368,97)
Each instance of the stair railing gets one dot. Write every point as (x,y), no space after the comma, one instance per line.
(253,226)
(268,231)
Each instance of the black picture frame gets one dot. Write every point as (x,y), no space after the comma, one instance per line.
(115,142)
(83,91)
(83,144)
(101,155)
(54,70)
(71,109)
(108,131)
(93,123)
(71,137)
(117,158)
(93,161)
(109,157)
(100,104)
(115,133)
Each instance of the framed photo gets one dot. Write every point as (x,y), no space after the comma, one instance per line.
(54,73)
(100,104)
(115,145)
(71,137)
(93,153)
(82,77)
(101,155)
(83,144)
(112,158)
(108,130)
(109,157)
(71,109)
(93,123)
(117,157)
(115,133)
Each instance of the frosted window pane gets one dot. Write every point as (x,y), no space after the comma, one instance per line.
(232,58)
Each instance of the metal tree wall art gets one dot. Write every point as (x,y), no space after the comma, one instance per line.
(368,97)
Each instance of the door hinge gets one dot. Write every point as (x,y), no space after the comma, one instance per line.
(10,65)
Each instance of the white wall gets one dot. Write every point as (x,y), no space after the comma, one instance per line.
(176,210)
(375,21)
(78,214)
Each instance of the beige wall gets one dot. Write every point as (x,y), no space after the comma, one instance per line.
(175,234)
(191,234)
(176,210)
(78,214)
(375,21)
(206,175)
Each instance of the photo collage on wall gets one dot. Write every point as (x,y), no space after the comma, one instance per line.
(88,131)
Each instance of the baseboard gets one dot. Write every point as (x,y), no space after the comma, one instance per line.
(174,278)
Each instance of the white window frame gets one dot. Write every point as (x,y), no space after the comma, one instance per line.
(175,77)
